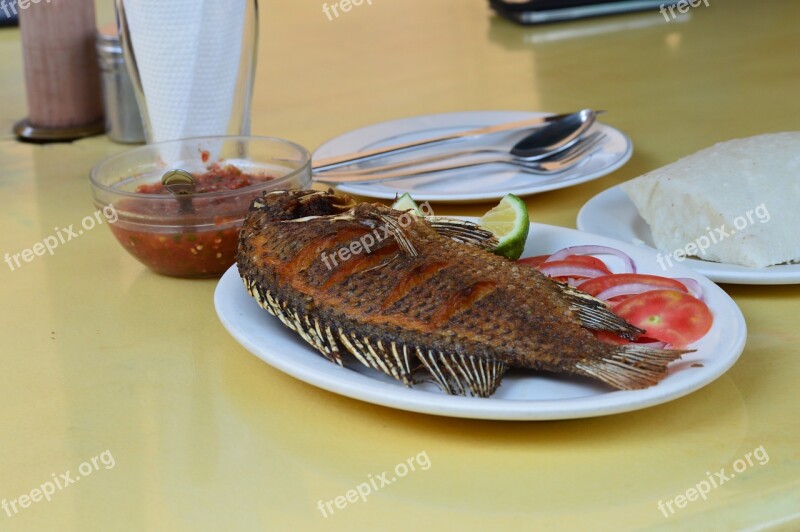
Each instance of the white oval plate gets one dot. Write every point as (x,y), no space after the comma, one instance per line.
(523,395)
(483,183)
(611,213)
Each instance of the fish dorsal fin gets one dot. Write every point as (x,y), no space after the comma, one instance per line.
(463,231)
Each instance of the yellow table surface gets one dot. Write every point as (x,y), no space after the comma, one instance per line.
(98,354)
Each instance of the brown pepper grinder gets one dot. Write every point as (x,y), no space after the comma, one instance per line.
(62,80)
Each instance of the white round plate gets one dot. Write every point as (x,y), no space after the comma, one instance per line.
(523,395)
(482,183)
(611,213)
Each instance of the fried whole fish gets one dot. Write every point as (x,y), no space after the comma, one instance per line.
(421,298)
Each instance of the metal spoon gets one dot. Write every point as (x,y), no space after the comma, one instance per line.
(543,142)
(555,136)
(180,184)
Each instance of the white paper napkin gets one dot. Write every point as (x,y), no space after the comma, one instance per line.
(188,54)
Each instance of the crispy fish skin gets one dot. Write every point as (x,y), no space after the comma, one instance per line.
(417,299)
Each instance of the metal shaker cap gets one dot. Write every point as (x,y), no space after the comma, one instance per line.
(109,48)
(123,119)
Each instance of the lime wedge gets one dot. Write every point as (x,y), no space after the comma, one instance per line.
(406,203)
(509,223)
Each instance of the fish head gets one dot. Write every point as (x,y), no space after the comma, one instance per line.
(279,205)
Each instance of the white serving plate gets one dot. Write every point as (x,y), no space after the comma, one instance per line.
(479,184)
(523,395)
(611,213)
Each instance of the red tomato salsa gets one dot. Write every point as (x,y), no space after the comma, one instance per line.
(200,254)
(199,244)
(216,179)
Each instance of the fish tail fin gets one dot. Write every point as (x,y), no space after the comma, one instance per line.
(631,366)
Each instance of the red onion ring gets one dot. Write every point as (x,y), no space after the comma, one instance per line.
(630,267)
(655,345)
(694,288)
(571,271)
(626,290)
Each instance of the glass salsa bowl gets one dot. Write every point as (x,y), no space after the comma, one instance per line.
(194,235)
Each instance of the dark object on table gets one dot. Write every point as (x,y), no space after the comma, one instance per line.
(542,11)
(9,14)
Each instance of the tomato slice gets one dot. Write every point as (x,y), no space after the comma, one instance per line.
(574,260)
(587,260)
(667,315)
(600,284)
(610,338)
(534,261)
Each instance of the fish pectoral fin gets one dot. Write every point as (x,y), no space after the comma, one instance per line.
(631,366)
(399,235)
(463,231)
